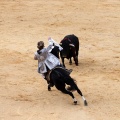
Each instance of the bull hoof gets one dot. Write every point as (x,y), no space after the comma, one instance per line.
(75,102)
(49,88)
(85,103)
(76,64)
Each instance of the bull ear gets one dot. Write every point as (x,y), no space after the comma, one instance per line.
(60,43)
(71,45)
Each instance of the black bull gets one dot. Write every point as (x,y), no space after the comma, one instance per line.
(70,45)
(60,78)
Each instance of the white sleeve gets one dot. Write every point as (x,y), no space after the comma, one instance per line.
(39,57)
(51,41)
(36,55)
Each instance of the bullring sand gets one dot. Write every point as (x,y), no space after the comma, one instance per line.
(23,92)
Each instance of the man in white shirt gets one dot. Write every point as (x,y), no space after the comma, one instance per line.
(46,60)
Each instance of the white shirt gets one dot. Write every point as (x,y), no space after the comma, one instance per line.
(46,59)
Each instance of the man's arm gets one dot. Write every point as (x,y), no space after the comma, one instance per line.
(52,42)
(35,57)
(39,57)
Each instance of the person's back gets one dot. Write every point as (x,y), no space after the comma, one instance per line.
(46,60)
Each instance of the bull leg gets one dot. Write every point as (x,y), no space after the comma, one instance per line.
(78,90)
(61,87)
(72,84)
(71,94)
(70,61)
(50,84)
(49,88)
(63,61)
(73,51)
(76,60)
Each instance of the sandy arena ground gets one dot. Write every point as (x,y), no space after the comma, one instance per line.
(23,92)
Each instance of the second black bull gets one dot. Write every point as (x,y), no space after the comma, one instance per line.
(70,45)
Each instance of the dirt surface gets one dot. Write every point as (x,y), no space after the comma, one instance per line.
(23,92)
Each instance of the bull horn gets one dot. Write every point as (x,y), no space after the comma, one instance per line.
(60,43)
(71,45)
